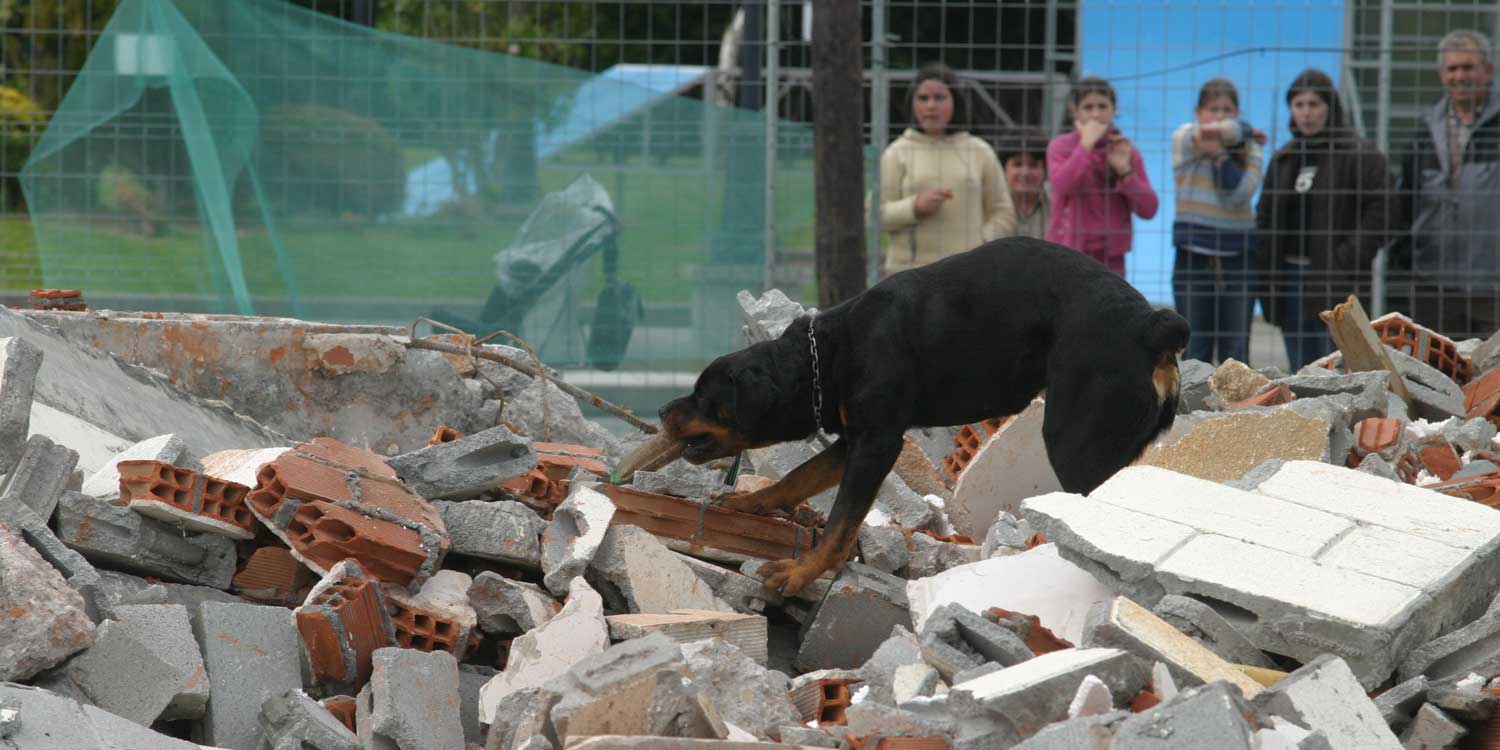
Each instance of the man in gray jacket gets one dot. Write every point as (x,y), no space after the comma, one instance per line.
(1450,185)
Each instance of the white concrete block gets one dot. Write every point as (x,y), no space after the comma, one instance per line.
(1323,695)
(1128,541)
(1009,467)
(1394,556)
(545,654)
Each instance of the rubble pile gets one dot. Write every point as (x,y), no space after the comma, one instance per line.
(263,534)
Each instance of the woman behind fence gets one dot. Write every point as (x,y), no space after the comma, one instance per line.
(1321,219)
(1098,179)
(1216,162)
(941,189)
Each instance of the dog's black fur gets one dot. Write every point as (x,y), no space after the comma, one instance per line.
(972,336)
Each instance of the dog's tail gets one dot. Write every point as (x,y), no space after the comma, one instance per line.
(1165,331)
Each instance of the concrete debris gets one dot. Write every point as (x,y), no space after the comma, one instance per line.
(1010,466)
(1203,624)
(167,633)
(878,673)
(411,702)
(19,362)
(746,693)
(508,607)
(1035,693)
(542,655)
(79,572)
(119,674)
(1008,535)
(1234,382)
(883,548)
(40,475)
(1433,729)
(766,318)
(42,619)
(1092,699)
(252,654)
(639,687)
(466,467)
(559,420)
(1209,716)
(930,556)
(745,632)
(35,719)
(681,479)
(1325,695)
(294,721)
(637,573)
(504,530)
(114,537)
(1221,447)
(1123,624)
(976,637)
(574,535)
(854,618)
(1399,703)
(1195,386)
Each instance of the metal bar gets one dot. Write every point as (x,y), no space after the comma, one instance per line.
(773,80)
(880,116)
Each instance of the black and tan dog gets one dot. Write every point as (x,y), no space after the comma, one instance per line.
(972,336)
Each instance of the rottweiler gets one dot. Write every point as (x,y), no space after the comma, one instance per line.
(972,336)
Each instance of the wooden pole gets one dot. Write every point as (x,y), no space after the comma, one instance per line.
(839,141)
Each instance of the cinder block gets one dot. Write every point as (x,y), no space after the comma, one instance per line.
(413,701)
(1325,695)
(41,474)
(1035,693)
(507,607)
(116,537)
(649,577)
(104,483)
(543,655)
(21,360)
(574,535)
(273,576)
(466,467)
(746,693)
(167,633)
(1209,716)
(294,721)
(1128,626)
(1398,704)
(505,530)
(854,618)
(252,653)
(42,620)
(1433,729)
(121,674)
(633,688)
(745,632)
(342,623)
(45,721)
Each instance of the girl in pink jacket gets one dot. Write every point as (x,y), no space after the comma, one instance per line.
(1098,179)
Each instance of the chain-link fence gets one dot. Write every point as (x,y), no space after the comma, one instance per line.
(376,160)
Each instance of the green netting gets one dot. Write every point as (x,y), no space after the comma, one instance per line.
(248,156)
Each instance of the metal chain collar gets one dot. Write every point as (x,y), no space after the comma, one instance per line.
(812,342)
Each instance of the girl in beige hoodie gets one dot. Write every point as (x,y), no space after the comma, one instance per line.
(941,190)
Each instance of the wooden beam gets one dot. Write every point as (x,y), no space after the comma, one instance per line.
(1360,345)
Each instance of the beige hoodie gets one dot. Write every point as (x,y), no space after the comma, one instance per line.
(979,211)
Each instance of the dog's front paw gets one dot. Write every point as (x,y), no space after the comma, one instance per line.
(744,502)
(789,576)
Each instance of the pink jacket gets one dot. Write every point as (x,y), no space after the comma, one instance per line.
(1091,212)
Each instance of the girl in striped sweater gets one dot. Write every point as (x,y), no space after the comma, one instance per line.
(1216,161)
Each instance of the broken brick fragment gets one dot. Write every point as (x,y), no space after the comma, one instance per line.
(1402,334)
(273,576)
(1274,396)
(444,434)
(967,443)
(949,538)
(1432,454)
(824,701)
(1482,398)
(342,623)
(184,497)
(1039,638)
(342,707)
(548,482)
(70,300)
(704,528)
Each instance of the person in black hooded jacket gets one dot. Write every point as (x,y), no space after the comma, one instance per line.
(1324,213)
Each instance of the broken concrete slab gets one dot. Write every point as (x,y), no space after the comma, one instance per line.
(854,618)
(1083,733)
(1209,716)
(1434,395)
(119,589)
(931,556)
(745,632)
(78,572)
(463,468)
(1203,624)
(251,653)
(1325,695)
(883,548)
(21,360)
(574,535)
(1433,729)
(1368,570)
(743,593)
(167,634)
(543,655)
(121,674)
(411,702)
(504,530)
(682,479)
(42,619)
(294,721)
(1008,535)
(641,575)
(973,635)
(1128,626)
(878,672)
(111,536)
(746,693)
(1475,647)
(522,719)
(471,679)
(1010,466)
(1035,693)
(104,483)
(507,607)
(41,474)
(637,687)
(1398,704)
(40,720)
(1037,582)
(1223,447)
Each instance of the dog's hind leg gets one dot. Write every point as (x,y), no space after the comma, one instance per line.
(814,475)
(870,458)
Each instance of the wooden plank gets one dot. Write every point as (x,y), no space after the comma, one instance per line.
(1360,345)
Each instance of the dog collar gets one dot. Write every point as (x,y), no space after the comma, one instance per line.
(812,345)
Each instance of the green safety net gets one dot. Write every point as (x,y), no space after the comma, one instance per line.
(253,157)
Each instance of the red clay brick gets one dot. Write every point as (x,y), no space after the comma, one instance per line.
(824,701)
(273,576)
(342,626)
(1425,344)
(70,300)
(1376,435)
(342,707)
(747,534)
(1483,489)
(967,442)
(156,481)
(1482,398)
(1274,396)
(1144,701)
(950,538)
(1039,638)
(424,629)
(444,434)
(224,500)
(1436,456)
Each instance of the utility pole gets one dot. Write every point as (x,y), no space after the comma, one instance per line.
(838,148)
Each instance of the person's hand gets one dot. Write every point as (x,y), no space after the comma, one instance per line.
(1090,131)
(1207,140)
(1119,154)
(930,201)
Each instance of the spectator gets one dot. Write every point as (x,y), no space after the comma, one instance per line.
(1023,155)
(1098,179)
(941,190)
(1321,218)
(1216,162)
(1450,196)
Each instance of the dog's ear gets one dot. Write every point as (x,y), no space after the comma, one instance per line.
(755,399)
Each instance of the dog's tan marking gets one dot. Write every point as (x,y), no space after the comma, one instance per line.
(814,475)
(1164,377)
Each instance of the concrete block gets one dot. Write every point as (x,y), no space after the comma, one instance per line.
(78,572)
(508,607)
(104,483)
(854,618)
(746,693)
(1195,385)
(634,688)
(883,548)
(1325,695)
(121,674)
(1009,467)
(472,679)
(251,653)
(42,619)
(294,721)
(879,671)
(1128,626)
(505,530)
(1037,582)
(574,535)
(19,361)
(930,556)
(466,467)
(41,720)
(1469,704)
(167,633)
(41,474)
(522,719)
(682,479)
(1007,535)
(413,699)
(1035,693)
(1224,447)
(748,633)
(740,591)
(1205,625)
(118,589)
(1209,716)
(976,636)
(544,654)
(1083,733)
(1433,729)
(116,537)
(648,577)
(1398,704)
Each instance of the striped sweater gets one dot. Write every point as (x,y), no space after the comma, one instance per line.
(1213,199)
